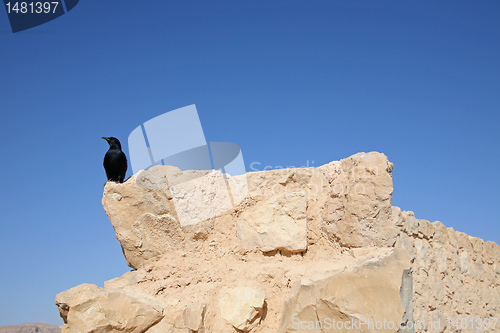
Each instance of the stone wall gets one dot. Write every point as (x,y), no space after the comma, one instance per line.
(456,276)
(291,250)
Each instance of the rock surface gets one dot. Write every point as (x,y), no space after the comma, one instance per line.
(242,307)
(271,250)
(350,298)
(358,207)
(88,308)
(278,223)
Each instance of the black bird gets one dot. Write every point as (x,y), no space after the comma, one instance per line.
(115,161)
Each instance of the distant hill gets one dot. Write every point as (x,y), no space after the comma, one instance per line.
(30,328)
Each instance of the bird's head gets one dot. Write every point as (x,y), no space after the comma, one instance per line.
(114,143)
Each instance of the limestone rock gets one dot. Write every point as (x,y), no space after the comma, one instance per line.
(193,317)
(242,307)
(126,279)
(358,211)
(199,195)
(278,223)
(151,210)
(171,323)
(143,215)
(320,243)
(410,223)
(181,320)
(425,229)
(404,241)
(364,292)
(88,308)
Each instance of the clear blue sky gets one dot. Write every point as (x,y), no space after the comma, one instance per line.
(288,81)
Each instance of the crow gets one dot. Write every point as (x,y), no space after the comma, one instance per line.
(115,161)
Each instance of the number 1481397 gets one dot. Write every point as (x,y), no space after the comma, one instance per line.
(473,323)
(31,7)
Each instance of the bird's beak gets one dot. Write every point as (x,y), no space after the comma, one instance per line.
(105,138)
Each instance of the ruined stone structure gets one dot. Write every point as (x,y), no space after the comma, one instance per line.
(305,250)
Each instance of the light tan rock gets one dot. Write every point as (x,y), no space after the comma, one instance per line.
(328,218)
(396,216)
(440,232)
(423,255)
(88,308)
(404,241)
(359,208)
(242,307)
(452,237)
(278,223)
(199,195)
(441,257)
(411,224)
(463,241)
(465,262)
(263,185)
(425,229)
(171,323)
(152,210)
(477,244)
(126,279)
(142,210)
(181,320)
(365,291)
(193,317)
